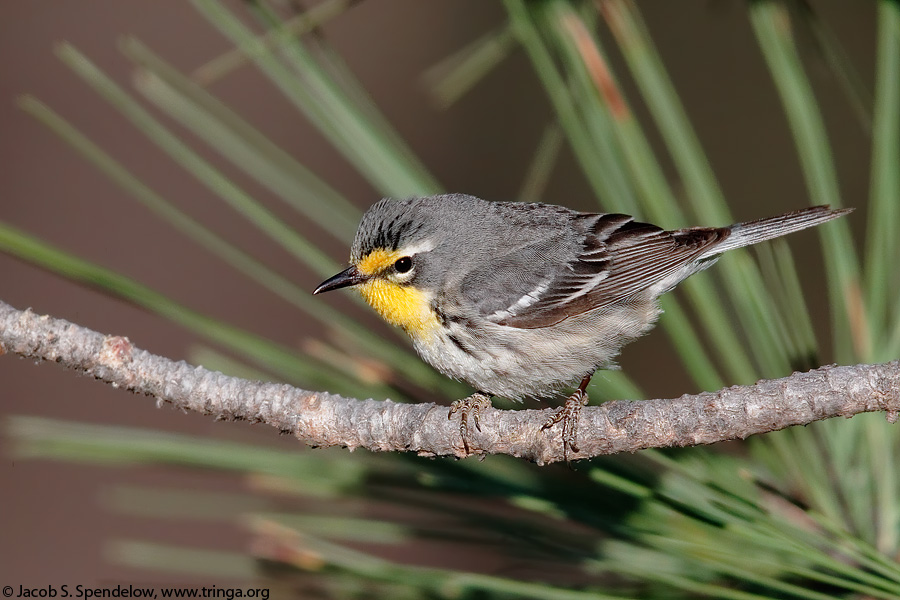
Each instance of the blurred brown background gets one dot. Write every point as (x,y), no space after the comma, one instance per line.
(53,524)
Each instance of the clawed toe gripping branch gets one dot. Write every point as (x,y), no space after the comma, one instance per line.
(323,419)
(469,407)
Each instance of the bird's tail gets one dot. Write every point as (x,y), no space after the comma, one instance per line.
(760,230)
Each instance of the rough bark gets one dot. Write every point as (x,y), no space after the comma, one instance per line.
(323,419)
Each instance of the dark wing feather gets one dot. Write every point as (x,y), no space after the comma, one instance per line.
(619,258)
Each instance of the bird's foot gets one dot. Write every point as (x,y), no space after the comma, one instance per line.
(568,413)
(473,405)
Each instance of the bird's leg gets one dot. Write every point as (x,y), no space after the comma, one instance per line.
(473,405)
(568,413)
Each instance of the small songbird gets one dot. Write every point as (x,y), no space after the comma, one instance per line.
(525,299)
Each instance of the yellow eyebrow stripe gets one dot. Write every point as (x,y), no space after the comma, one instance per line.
(399,305)
(377,261)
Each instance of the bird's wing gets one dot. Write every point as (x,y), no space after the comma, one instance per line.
(617,259)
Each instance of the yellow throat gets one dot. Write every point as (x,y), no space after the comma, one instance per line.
(400,305)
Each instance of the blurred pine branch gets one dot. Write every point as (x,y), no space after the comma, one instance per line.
(804,513)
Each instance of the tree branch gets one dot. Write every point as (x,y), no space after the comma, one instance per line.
(323,419)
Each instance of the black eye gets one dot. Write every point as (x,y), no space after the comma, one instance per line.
(403,264)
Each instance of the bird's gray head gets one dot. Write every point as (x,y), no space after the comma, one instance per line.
(400,255)
(413,237)
(406,241)
(395,225)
